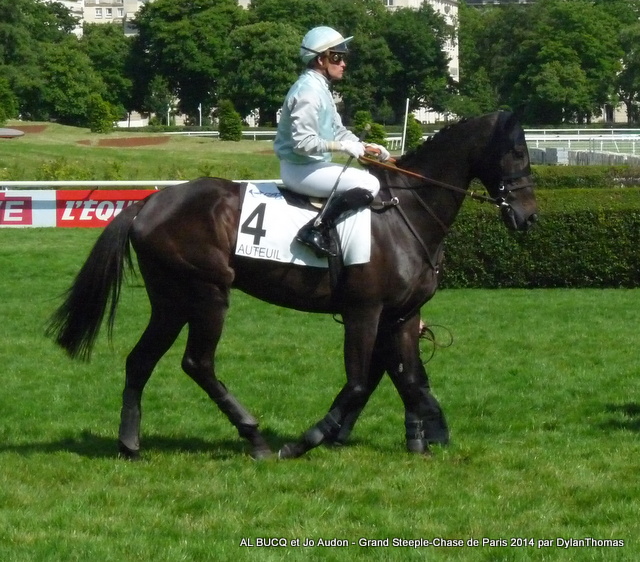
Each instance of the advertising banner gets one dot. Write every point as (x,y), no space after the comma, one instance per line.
(65,208)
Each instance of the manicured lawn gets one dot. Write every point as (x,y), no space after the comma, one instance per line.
(540,387)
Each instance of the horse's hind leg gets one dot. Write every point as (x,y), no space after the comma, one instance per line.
(205,328)
(162,330)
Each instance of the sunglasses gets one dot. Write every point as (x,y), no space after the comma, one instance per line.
(336,58)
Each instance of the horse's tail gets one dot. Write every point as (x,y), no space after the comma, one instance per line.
(76,324)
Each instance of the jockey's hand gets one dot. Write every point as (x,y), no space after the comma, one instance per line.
(352,148)
(377,151)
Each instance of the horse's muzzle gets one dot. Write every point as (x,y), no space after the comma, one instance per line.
(515,220)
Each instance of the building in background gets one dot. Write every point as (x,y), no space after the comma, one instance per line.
(488,2)
(103,11)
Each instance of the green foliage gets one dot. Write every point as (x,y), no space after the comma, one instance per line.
(584,238)
(361,119)
(260,68)
(415,37)
(376,133)
(563,60)
(109,50)
(563,177)
(229,122)
(8,101)
(71,81)
(558,58)
(101,115)
(159,99)
(414,133)
(188,44)
(63,169)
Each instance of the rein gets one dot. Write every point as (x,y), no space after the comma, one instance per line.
(394,168)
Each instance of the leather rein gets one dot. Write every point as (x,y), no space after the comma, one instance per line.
(477,196)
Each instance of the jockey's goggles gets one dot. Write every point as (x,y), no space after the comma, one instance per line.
(336,58)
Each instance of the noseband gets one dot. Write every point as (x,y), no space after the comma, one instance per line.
(506,186)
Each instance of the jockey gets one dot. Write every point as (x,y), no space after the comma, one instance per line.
(310,129)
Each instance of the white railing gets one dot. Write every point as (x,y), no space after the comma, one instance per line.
(248,134)
(582,132)
(58,184)
(393,143)
(621,144)
(621,141)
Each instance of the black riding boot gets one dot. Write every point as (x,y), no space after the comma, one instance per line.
(317,237)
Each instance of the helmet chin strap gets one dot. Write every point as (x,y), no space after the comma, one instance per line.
(321,68)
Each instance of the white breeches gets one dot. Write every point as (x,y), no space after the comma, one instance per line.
(317,179)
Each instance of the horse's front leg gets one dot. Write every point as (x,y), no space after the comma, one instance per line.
(424,419)
(377,369)
(360,335)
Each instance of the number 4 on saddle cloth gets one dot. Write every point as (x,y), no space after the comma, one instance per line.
(269,222)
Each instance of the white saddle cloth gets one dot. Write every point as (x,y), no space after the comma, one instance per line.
(268,226)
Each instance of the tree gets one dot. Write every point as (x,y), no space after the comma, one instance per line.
(521,46)
(571,34)
(187,43)
(100,114)
(627,15)
(303,14)
(229,122)
(414,133)
(369,80)
(416,39)
(108,49)
(261,68)
(159,100)
(8,101)
(70,82)
(27,28)
(628,81)
(475,92)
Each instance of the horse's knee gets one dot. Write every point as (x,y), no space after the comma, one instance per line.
(351,397)
(196,369)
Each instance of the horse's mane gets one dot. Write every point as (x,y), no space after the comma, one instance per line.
(443,135)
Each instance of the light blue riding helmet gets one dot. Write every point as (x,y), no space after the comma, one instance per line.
(321,39)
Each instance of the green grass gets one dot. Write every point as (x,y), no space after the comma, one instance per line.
(540,388)
(56,154)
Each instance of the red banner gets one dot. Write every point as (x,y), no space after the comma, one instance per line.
(16,209)
(94,207)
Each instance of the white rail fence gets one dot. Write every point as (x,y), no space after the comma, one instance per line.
(620,141)
(60,184)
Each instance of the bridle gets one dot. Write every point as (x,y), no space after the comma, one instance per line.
(506,182)
(505,187)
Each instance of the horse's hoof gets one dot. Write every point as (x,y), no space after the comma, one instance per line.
(261,453)
(418,447)
(127,454)
(290,451)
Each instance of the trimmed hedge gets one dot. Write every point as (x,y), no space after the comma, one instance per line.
(583,238)
(569,177)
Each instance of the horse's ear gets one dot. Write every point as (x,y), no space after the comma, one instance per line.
(513,118)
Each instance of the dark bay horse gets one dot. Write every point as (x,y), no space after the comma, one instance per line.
(184,238)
